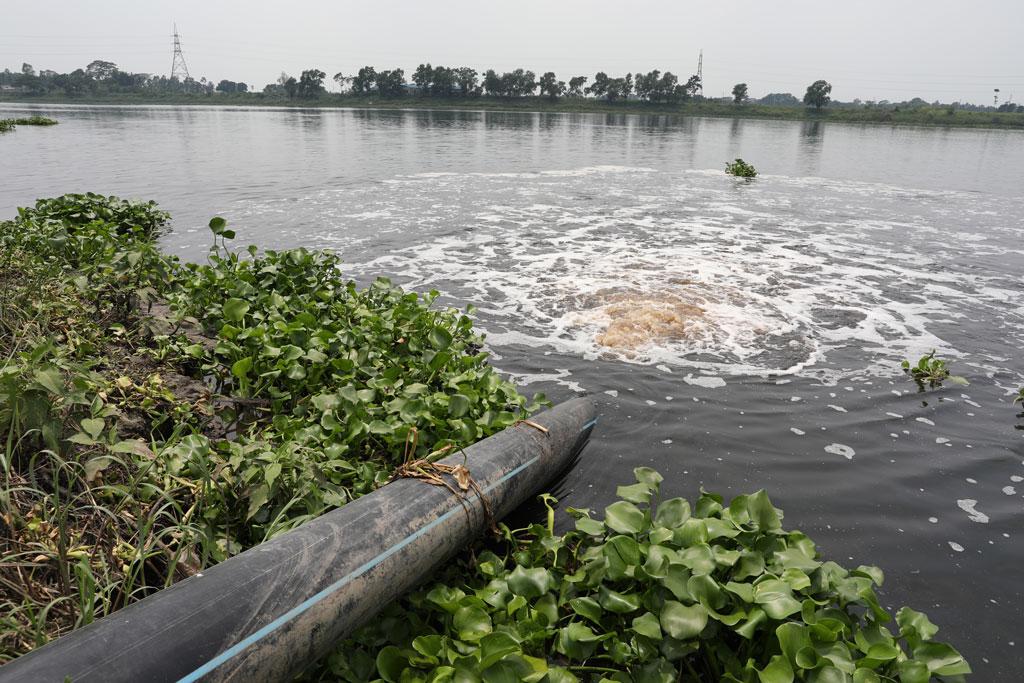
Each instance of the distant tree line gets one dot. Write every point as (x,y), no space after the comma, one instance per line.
(105,78)
(102,77)
(464,81)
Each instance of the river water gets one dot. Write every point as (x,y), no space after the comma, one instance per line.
(737,335)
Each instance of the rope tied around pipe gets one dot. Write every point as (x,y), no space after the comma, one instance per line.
(433,473)
(529,423)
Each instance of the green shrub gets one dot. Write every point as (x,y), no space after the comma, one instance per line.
(740,169)
(654,591)
(124,216)
(264,390)
(352,381)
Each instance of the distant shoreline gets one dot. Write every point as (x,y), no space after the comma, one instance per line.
(922,116)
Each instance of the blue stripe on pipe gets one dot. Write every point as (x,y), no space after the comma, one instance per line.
(305,605)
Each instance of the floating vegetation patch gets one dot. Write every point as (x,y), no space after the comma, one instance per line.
(9,124)
(931,371)
(652,590)
(740,169)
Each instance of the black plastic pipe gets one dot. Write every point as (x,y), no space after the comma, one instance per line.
(267,613)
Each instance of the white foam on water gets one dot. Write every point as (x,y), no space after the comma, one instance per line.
(560,376)
(837,408)
(1009,491)
(840,449)
(925,420)
(705,381)
(699,277)
(956,546)
(798,432)
(933,520)
(608,169)
(896,415)
(612,392)
(968,505)
(941,439)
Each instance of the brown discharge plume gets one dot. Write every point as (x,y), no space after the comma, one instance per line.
(637,320)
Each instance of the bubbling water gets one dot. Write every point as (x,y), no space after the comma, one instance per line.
(779,277)
(640,322)
(634,319)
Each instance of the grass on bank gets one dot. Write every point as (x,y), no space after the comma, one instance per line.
(159,416)
(948,116)
(9,124)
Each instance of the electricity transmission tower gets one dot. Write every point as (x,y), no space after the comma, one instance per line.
(700,73)
(179,69)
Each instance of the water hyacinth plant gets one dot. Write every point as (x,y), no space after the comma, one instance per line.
(9,124)
(931,371)
(160,417)
(740,169)
(93,211)
(653,590)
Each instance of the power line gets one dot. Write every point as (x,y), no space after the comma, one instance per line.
(179,69)
(700,73)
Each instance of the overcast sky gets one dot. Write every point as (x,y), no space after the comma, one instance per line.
(895,50)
